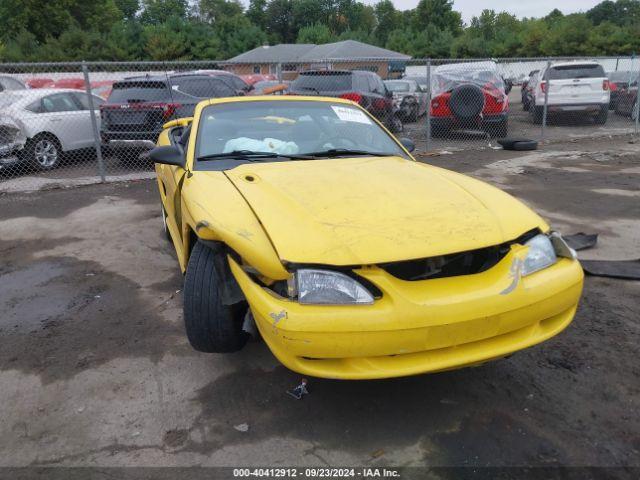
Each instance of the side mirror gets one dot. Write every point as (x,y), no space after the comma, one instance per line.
(407,143)
(167,155)
(508,85)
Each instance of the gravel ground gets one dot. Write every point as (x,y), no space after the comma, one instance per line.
(95,369)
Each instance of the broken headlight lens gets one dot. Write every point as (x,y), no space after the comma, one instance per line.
(541,255)
(324,287)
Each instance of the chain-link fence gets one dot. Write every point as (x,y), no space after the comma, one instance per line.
(47,128)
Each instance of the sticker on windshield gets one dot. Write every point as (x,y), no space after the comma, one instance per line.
(347,114)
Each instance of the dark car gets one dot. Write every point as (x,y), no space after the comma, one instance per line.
(10,83)
(469,96)
(526,92)
(618,81)
(137,107)
(627,97)
(239,85)
(364,88)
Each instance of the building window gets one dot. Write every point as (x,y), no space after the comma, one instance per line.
(256,69)
(289,67)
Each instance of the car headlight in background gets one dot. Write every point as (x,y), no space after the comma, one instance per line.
(541,255)
(325,287)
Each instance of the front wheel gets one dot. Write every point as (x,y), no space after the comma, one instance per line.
(44,152)
(211,326)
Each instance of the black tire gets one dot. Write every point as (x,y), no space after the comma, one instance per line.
(518,144)
(601,118)
(634,111)
(466,102)
(43,152)
(211,326)
(396,125)
(536,114)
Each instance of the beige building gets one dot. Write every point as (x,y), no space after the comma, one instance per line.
(289,59)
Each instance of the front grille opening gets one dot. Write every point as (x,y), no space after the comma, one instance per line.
(456,264)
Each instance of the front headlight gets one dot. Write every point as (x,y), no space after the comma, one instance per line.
(324,287)
(541,255)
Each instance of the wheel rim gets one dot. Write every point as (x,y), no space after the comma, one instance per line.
(46,153)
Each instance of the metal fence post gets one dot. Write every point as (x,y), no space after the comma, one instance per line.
(428,112)
(546,100)
(279,72)
(94,124)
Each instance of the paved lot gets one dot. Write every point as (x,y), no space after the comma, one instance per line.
(95,368)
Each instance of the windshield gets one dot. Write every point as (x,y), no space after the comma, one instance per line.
(323,81)
(290,128)
(569,72)
(446,81)
(125,92)
(398,86)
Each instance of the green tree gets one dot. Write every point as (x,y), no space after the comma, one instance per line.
(280,24)
(256,13)
(129,8)
(237,35)
(156,12)
(439,13)
(216,10)
(167,41)
(317,33)
(387,19)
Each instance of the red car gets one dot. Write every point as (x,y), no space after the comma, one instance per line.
(76,83)
(469,96)
(39,82)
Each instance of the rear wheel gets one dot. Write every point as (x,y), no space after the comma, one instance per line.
(211,326)
(44,152)
(602,116)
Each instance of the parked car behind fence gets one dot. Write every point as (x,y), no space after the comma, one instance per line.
(364,88)
(39,126)
(408,97)
(469,96)
(574,88)
(137,107)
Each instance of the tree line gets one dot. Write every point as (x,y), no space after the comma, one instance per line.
(125,30)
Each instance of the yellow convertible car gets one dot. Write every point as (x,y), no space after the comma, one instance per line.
(305,218)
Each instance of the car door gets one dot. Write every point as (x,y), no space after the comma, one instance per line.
(171,178)
(86,137)
(59,114)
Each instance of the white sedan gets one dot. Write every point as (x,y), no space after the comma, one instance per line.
(39,126)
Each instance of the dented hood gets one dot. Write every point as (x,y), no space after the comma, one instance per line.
(359,211)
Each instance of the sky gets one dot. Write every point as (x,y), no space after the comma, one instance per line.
(520,8)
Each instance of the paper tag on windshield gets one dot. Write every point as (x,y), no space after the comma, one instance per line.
(347,114)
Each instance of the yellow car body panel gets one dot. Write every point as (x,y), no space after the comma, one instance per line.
(360,213)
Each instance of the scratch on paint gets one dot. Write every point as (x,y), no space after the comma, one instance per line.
(278,316)
(515,272)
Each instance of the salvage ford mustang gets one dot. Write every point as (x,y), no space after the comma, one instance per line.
(305,218)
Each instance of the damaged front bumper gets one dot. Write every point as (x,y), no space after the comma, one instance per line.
(418,326)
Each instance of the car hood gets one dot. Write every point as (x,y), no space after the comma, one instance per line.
(359,211)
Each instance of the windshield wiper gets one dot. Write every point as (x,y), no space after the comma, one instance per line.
(252,156)
(340,152)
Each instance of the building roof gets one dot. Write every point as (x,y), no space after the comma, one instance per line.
(292,52)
